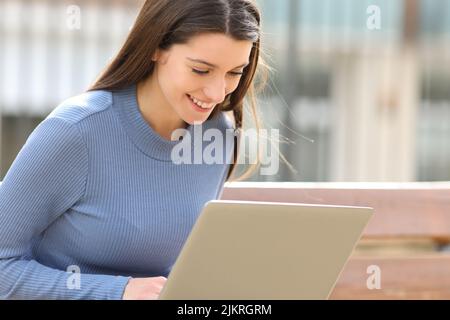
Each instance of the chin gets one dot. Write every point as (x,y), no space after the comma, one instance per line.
(190,119)
(197,121)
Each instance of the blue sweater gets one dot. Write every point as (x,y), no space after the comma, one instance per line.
(94,188)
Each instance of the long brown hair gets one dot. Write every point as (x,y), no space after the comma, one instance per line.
(163,23)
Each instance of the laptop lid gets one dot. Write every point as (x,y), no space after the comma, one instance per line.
(265,251)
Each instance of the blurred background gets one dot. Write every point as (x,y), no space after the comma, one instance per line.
(360,87)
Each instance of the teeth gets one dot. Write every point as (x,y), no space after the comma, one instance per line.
(199,103)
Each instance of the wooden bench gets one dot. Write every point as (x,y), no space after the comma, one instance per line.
(406,238)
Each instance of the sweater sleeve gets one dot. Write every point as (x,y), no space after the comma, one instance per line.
(47,177)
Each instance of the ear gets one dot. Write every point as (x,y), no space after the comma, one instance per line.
(156,55)
(160,56)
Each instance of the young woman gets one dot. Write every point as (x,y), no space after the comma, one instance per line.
(94,206)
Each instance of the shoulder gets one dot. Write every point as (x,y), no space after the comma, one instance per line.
(79,107)
(60,127)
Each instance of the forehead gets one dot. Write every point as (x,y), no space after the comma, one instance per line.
(218,49)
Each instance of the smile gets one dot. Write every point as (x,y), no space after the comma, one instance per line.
(200,103)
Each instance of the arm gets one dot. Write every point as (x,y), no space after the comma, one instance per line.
(47,177)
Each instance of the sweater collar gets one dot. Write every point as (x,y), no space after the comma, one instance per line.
(140,131)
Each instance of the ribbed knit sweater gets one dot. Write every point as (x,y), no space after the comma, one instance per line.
(94,189)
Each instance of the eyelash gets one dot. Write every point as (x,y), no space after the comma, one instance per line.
(235,74)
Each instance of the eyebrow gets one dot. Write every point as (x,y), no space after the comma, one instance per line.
(213,65)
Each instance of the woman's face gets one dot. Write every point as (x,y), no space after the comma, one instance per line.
(207,69)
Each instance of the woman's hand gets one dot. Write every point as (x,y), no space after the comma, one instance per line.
(144,288)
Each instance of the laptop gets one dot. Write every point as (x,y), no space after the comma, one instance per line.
(247,250)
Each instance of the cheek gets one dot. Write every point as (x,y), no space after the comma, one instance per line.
(187,83)
(233,86)
(173,85)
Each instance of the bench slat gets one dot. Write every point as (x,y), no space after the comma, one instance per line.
(417,212)
(412,277)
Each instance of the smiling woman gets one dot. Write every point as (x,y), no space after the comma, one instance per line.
(95,189)
(205,50)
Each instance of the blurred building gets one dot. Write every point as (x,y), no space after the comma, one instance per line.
(372,98)
(361,87)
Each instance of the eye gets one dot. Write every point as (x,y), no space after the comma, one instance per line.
(235,74)
(199,71)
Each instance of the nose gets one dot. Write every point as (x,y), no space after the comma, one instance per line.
(216,90)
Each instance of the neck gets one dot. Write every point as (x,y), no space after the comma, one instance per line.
(156,110)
